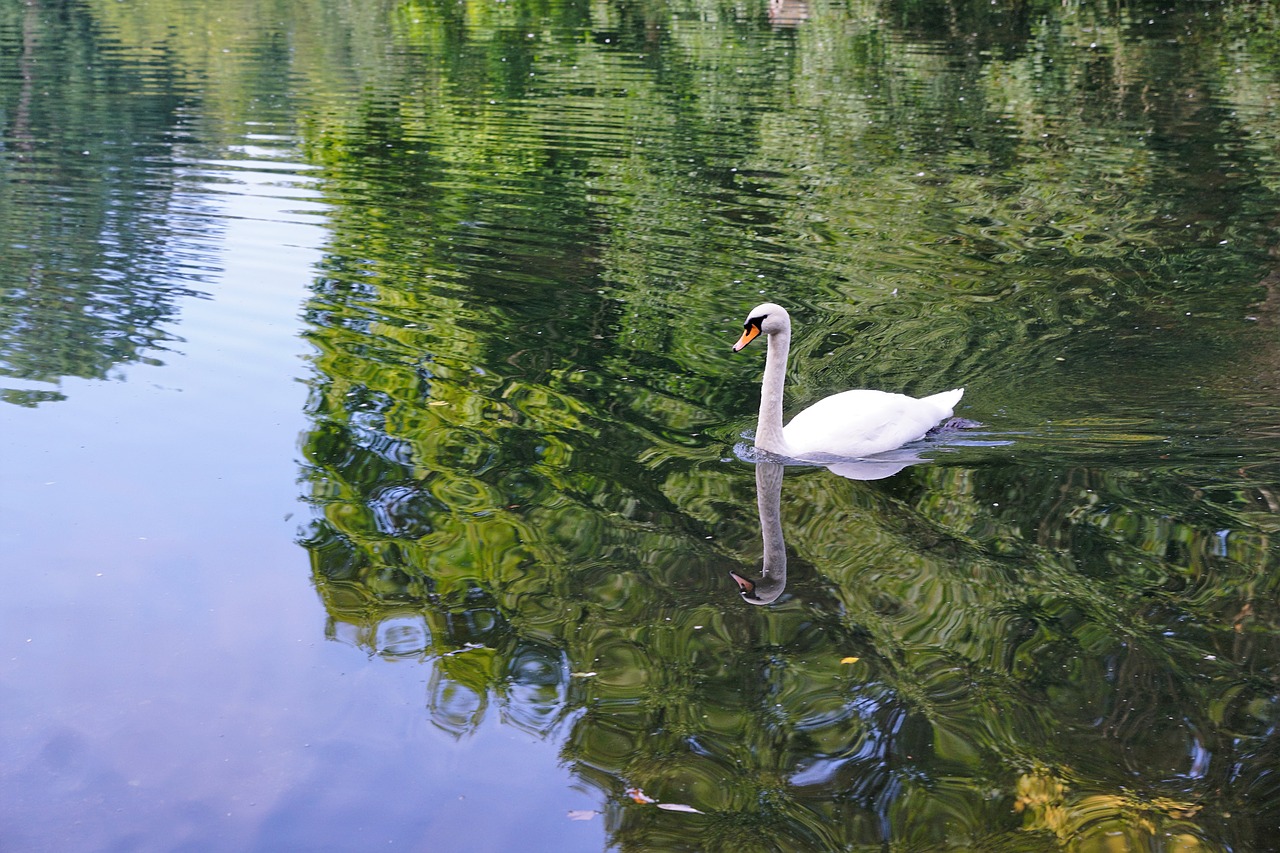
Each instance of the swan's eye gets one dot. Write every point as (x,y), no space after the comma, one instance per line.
(755,321)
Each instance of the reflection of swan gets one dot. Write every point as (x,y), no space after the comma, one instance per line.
(773,574)
(877,467)
(845,426)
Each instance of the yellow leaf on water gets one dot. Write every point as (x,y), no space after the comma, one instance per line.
(849,660)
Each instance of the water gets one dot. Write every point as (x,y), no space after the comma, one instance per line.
(370,424)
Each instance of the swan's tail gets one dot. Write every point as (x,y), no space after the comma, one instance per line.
(947,399)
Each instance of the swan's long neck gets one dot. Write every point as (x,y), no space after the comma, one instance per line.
(769,427)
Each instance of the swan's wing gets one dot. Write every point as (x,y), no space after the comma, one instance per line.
(861,423)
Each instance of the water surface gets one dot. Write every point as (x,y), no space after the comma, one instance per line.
(370,425)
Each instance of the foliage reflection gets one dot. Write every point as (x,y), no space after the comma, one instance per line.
(520,412)
(99,244)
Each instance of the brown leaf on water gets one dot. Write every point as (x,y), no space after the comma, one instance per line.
(639,796)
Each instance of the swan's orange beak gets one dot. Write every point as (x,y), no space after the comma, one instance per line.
(746,586)
(748,335)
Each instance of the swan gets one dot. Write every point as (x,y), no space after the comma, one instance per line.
(849,425)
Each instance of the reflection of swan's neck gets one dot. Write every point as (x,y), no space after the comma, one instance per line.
(769,427)
(769,502)
(773,575)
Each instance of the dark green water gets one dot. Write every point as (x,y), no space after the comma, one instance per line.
(373,463)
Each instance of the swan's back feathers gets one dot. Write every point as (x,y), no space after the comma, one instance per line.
(860,423)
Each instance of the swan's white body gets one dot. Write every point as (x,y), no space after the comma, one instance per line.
(849,425)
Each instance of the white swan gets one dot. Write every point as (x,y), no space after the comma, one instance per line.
(849,425)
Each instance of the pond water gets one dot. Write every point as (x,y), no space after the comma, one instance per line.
(375,469)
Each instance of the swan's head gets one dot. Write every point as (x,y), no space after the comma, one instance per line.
(767,318)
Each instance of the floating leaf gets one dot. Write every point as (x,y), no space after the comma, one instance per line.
(582,814)
(678,807)
(849,660)
(639,796)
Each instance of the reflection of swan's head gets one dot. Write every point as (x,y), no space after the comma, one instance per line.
(764,591)
(768,318)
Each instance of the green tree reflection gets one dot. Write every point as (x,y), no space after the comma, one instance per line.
(90,214)
(510,464)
